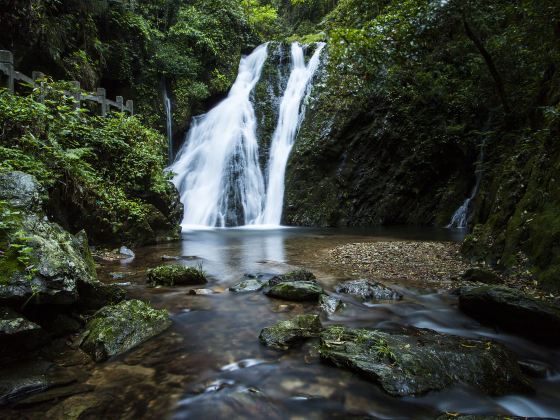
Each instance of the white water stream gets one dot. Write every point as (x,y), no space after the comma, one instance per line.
(292,112)
(168,124)
(217,170)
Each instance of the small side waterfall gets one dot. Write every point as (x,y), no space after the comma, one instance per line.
(292,108)
(460,219)
(217,170)
(168,124)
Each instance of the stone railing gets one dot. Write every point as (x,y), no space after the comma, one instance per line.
(11,76)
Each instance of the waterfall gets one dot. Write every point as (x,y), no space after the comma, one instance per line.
(168,123)
(460,218)
(217,170)
(292,108)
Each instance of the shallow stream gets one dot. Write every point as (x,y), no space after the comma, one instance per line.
(210,363)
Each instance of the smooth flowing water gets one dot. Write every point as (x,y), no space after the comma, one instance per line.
(168,124)
(210,364)
(292,111)
(217,169)
(460,218)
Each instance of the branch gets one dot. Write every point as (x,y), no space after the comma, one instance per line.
(490,63)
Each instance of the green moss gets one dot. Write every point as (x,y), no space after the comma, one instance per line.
(176,275)
(118,328)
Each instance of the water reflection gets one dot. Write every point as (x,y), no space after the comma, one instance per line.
(225,372)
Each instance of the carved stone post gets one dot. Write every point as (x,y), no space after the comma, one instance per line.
(120,104)
(130,106)
(102,95)
(7,67)
(37,77)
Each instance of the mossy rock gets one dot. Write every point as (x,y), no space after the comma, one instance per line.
(116,329)
(417,361)
(286,334)
(301,274)
(296,291)
(176,275)
(513,311)
(368,290)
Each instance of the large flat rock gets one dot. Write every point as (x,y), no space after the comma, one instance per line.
(513,311)
(416,361)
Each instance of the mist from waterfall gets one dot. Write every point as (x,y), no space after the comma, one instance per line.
(217,170)
(292,110)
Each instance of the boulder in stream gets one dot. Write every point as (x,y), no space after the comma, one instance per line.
(116,329)
(176,275)
(286,334)
(301,274)
(416,361)
(248,285)
(368,290)
(330,304)
(512,310)
(296,291)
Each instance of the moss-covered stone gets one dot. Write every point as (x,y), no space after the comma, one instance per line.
(296,291)
(416,361)
(176,275)
(286,334)
(116,329)
(300,274)
(513,311)
(368,290)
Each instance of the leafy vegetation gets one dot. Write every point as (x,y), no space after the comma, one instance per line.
(104,174)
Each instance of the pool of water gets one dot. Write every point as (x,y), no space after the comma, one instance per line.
(210,363)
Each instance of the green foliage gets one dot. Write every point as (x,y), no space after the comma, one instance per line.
(15,252)
(176,274)
(101,168)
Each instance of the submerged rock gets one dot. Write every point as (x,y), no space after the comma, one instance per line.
(249,285)
(176,275)
(513,311)
(416,361)
(301,274)
(330,304)
(27,378)
(296,290)
(286,334)
(116,329)
(367,290)
(481,275)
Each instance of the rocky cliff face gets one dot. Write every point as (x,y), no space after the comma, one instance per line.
(357,163)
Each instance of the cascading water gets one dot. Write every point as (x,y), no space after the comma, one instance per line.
(217,169)
(292,109)
(460,218)
(168,124)
(218,174)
